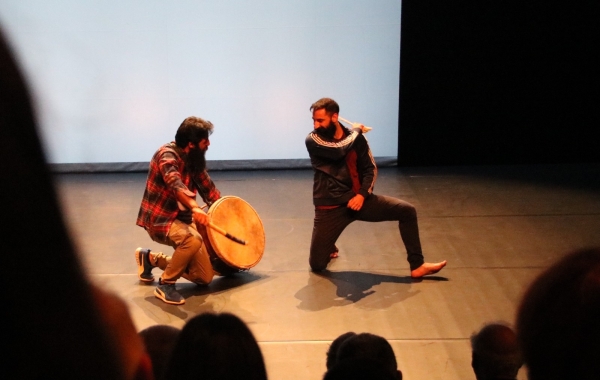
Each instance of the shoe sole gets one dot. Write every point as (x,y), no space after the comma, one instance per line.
(158,294)
(139,259)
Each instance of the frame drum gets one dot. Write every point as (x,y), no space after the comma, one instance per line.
(239,219)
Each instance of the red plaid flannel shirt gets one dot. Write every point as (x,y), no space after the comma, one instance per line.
(166,176)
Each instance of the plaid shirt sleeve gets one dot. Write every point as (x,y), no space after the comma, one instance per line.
(206,188)
(171,168)
(159,205)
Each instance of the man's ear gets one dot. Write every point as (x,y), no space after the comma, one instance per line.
(334,117)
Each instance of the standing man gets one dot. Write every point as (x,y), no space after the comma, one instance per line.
(344,176)
(169,212)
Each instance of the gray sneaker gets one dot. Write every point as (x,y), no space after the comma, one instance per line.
(144,265)
(168,294)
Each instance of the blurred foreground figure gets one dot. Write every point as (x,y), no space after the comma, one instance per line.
(558,321)
(334,347)
(159,341)
(216,347)
(363,356)
(495,353)
(51,327)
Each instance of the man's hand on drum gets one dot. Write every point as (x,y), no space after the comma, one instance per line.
(200,216)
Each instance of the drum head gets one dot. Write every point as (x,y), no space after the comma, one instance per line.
(239,219)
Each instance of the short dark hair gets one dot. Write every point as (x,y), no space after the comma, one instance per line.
(159,341)
(328,104)
(365,346)
(192,130)
(360,369)
(216,346)
(335,346)
(558,320)
(495,352)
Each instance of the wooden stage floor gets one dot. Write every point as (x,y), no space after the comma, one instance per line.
(497,226)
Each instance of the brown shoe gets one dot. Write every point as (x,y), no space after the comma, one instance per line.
(427,269)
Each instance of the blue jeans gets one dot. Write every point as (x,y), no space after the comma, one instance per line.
(330,223)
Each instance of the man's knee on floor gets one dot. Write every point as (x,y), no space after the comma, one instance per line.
(318,265)
(204,280)
(200,275)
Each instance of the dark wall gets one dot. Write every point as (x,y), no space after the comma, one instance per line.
(502,82)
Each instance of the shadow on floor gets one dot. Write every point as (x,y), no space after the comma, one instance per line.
(350,287)
(196,296)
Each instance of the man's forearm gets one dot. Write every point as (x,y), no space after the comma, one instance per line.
(198,214)
(330,149)
(187,201)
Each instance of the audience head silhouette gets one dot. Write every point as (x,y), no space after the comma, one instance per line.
(216,346)
(363,351)
(558,321)
(159,341)
(360,369)
(495,353)
(122,335)
(334,347)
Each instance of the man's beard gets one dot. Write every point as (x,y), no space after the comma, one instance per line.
(195,161)
(327,132)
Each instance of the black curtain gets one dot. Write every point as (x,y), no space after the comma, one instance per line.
(503,82)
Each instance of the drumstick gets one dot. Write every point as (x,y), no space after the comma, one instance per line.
(367,129)
(226,234)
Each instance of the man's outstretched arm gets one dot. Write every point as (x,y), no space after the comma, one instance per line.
(317,146)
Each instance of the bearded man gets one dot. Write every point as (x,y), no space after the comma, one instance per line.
(169,212)
(344,178)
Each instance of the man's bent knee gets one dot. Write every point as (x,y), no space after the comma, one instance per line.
(191,243)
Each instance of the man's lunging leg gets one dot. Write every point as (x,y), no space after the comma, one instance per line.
(379,208)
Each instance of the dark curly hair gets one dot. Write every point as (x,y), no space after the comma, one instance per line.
(192,130)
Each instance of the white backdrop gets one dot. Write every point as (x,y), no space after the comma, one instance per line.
(113,79)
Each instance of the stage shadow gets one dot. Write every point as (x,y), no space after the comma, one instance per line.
(352,287)
(220,284)
(196,295)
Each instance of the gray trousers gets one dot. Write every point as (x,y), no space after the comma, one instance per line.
(330,223)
